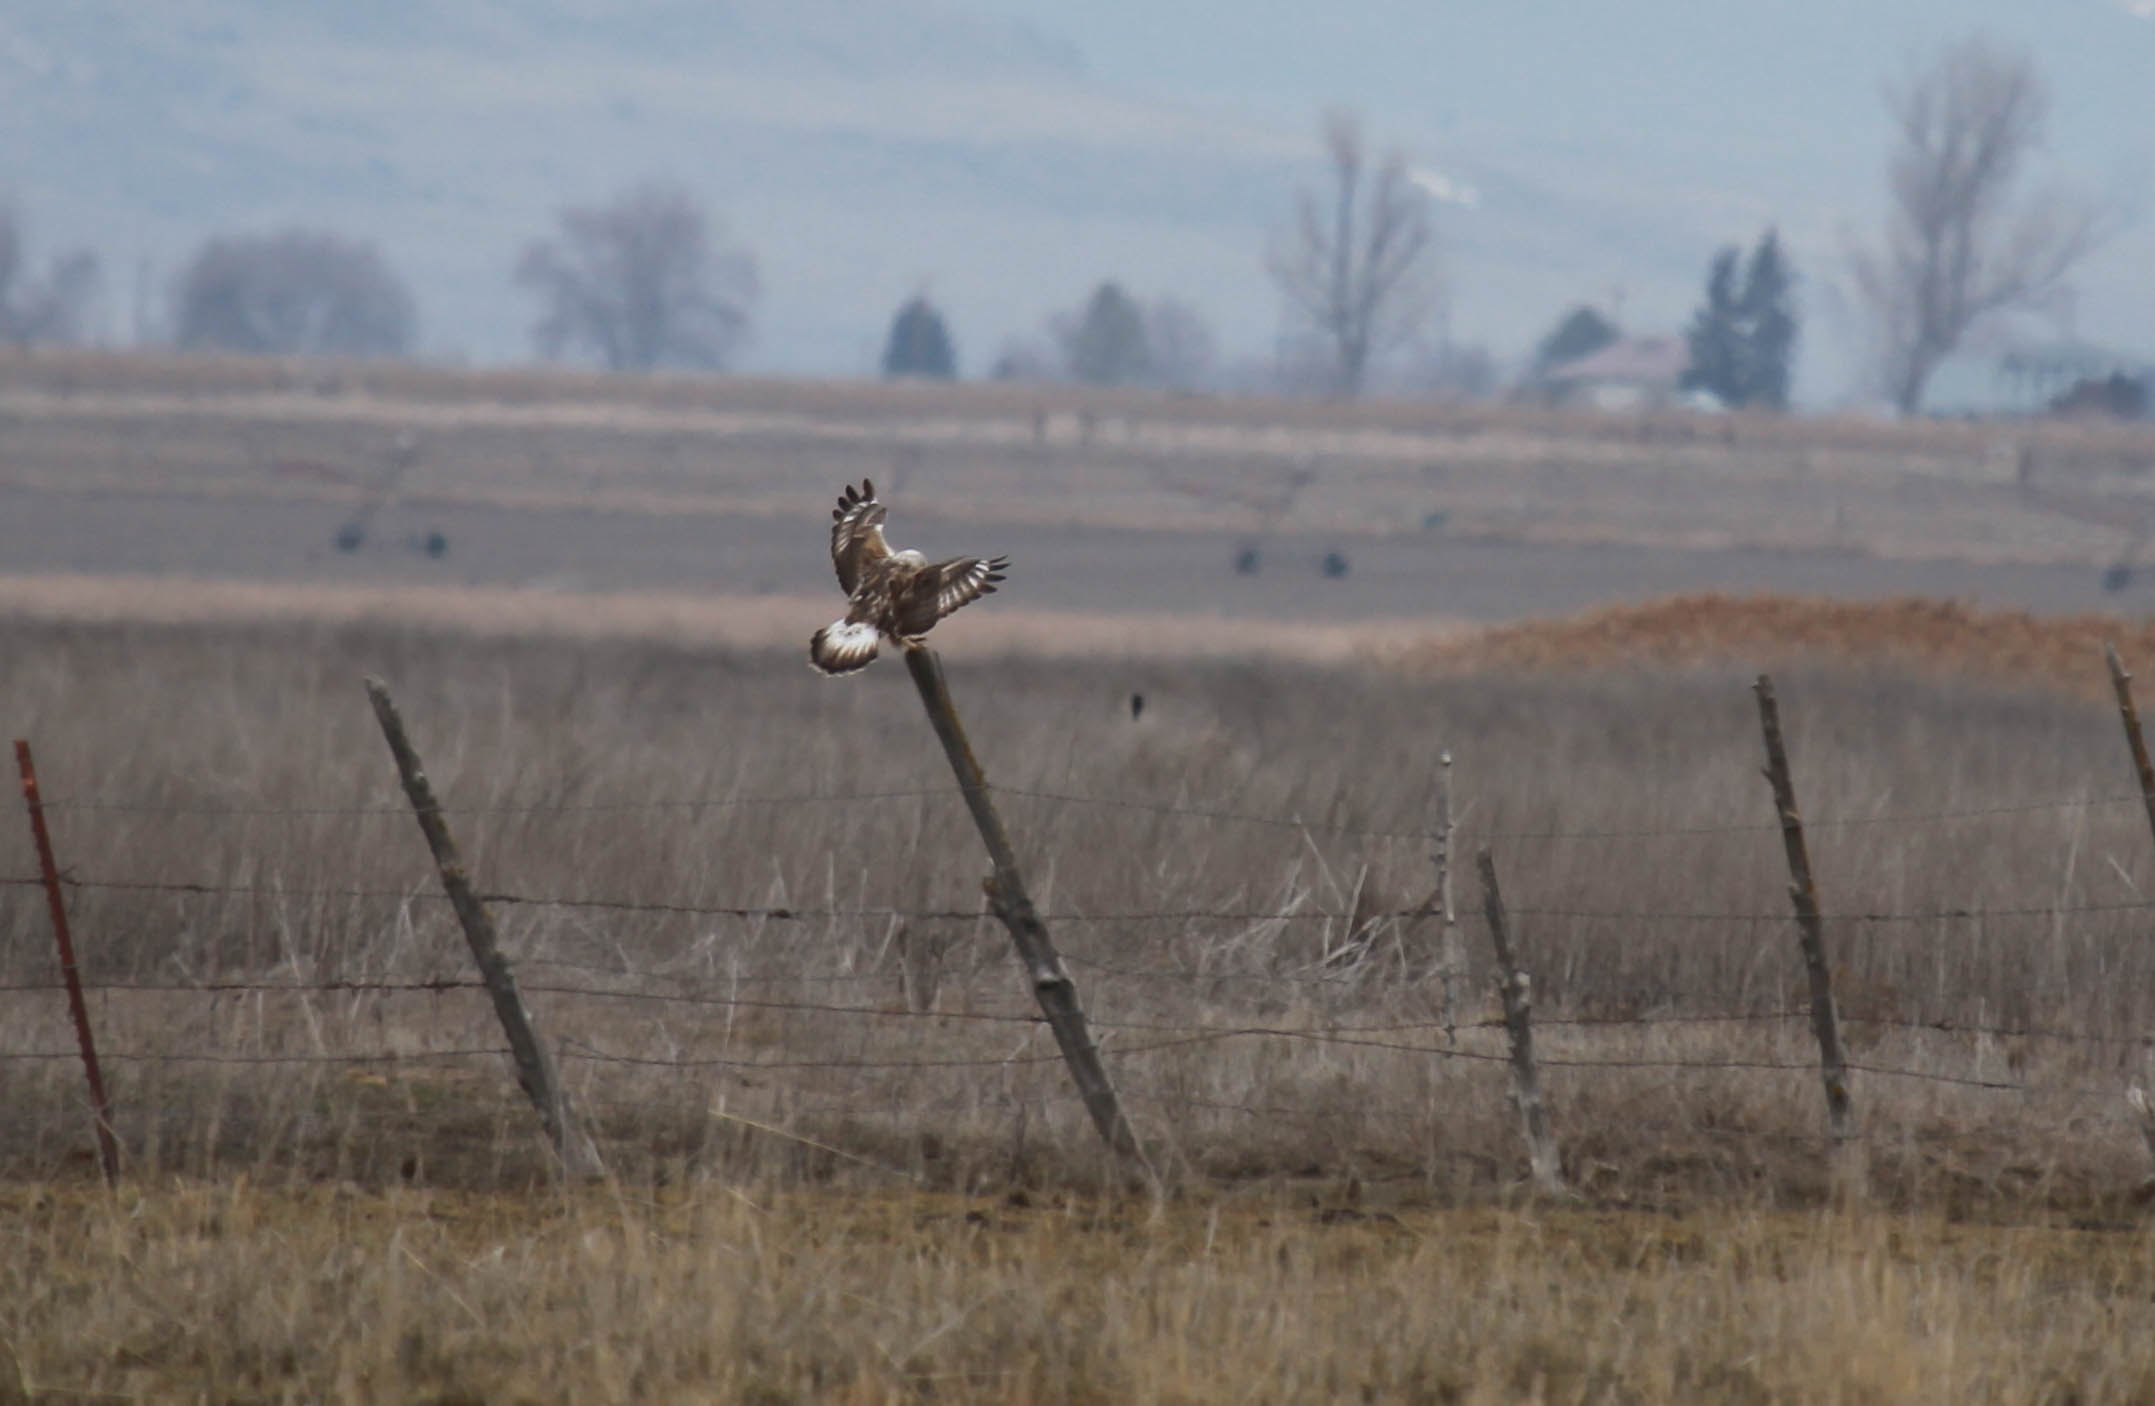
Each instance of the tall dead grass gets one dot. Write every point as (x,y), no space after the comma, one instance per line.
(236,1292)
(1219,871)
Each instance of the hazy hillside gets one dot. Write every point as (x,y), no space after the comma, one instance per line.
(1006,154)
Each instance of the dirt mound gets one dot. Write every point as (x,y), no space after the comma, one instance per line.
(1916,634)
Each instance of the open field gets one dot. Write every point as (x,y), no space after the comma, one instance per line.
(1109,503)
(851,1169)
(848,1165)
(744,903)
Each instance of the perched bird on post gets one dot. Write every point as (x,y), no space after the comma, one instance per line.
(895,596)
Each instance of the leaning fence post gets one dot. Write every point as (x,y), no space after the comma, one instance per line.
(534,1066)
(2122,684)
(1518,992)
(1810,929)
(108,1145)
(1052,986)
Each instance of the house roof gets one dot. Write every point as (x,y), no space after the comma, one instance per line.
(1651,360)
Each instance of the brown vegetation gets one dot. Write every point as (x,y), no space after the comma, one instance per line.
(1226,863)
(847,1165)
(241,1292)
(1913,636)
(852,1168)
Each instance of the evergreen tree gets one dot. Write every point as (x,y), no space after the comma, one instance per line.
(919,343)
(1108,345)
(1743,339)
(1716,336)
(1769,307)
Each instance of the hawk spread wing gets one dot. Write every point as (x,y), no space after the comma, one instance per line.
(939,589)
(857,535)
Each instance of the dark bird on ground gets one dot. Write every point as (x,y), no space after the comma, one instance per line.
(895,596)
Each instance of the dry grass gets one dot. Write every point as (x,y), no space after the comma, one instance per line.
(1938,637)
(238,1293)
(816,1204)
(574,765)
(847,1165)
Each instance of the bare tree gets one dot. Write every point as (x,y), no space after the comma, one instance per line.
(1959,250)
(298,292)
(641,282)
(53,308)
(1358,265)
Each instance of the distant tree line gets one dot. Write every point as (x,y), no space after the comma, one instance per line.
(48,306)
(649,279)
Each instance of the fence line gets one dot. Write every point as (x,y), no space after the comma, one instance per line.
(1179,1035)
(792,913)
(580,1050)
(1126,1040)
(1215,813)
(182,1057)
(439,985)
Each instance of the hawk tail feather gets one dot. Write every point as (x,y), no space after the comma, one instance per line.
(843,646)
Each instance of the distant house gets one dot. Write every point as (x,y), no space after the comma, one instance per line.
(2115,397)
(1630,373)
(2073,379)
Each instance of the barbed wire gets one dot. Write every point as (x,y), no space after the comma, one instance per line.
(552,808)
(1943,1025)
(1175,1035)
(1214,813)
(1932,915)
(1841,822)
(191,1057)
(789,913)
(572,1048)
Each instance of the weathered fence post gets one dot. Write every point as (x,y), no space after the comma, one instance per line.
(1518,991)
(2122,684)
(1005,886)
(108,1144)
(1451,952)
(1848,1160)
(534,1066)
(2144,1115)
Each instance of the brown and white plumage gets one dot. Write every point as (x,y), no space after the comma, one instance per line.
(890,595)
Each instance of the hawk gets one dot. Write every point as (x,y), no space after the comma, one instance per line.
(890,595)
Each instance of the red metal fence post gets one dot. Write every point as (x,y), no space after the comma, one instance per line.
(108,1147)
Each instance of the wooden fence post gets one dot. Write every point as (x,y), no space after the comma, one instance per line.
(1005,886)
(108,1144)
(1847,1154)
(2144,1116)
(1451,952)
(534,1066)
(1518,991)
(2122,684)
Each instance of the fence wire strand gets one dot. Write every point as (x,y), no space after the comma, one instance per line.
(1150,1037)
